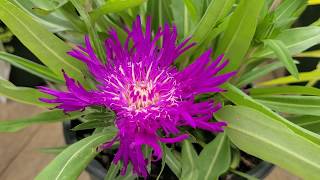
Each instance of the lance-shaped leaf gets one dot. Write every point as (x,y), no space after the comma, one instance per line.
(215,158)
(31,67)
(189,162)
(22,94)
(45,117)
(283,55)
(285,90)
(45,45)
(240,31)
(72,161)
(259,135)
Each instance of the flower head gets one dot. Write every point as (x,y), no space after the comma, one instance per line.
(150,96)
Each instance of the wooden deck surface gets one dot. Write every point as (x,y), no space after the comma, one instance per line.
(21,159)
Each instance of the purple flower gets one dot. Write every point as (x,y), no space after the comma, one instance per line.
(150,96)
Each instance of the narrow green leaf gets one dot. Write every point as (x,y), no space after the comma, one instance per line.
(312,123)
(112,171)
(190,168)
(46,46)
(240,31)
(287,9)
(304,76)
(114,6)
(215,12)
(192,10)
(31,67)
(173,163)
(257,73)
(91,125)
(292,104)
(72,161)
(22,94)
(45,117)
(260,136)
(285,90)
(215,158)
(244,175)
(240,98)
(283,55)
(296,40)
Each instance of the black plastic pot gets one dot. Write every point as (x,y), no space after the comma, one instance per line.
(98,172)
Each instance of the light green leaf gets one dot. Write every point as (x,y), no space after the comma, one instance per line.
(22,94)
(308,105)
(287,9)
(312,54)
(53,150)
(189,162)
(240,98)
(31,67)
(260,136)
(304,76)
(296,40)
(46,46)
(72,161)
(215,158)
(114,6)
(173,163)
(240,31)
(45,117)
(244,175)
(284,90)
(283,55)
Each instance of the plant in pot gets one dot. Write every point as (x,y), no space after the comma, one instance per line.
(168,89)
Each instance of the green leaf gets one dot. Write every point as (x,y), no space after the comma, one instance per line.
(312,54)
(240,98)
(287,9)
(308,105)
(244,175)
(22,94)
(215,12)
(192,10)
(53,150)
(240,31)
(257,73)
(189,162)
(215,158)
(45,117)
(173,163)
(46,46)
(312,123)
(283,55)
(304,76)
(72,161)
(296,40)
(260,136)
(31,67)
(114,6)
(91,125)
(112,171)
(285,90)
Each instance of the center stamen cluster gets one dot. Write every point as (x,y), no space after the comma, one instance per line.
(140,95)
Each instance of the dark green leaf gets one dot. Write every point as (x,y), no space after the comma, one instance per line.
(91,125)
(312,123)
(173,163)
